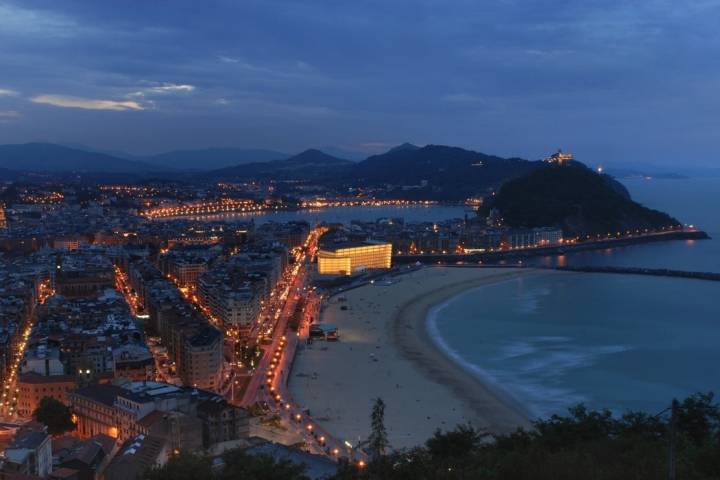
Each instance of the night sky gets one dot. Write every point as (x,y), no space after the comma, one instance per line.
(611,80)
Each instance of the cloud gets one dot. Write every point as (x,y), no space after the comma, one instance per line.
(86,103)
(463,98)
(7,116)
(44,23)
(171,88)
(226,59)
(165,88)
(551,52)
(6,92)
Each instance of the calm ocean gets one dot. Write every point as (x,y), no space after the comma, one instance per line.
(609,341)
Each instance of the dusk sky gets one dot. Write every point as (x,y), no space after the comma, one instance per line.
(611,80)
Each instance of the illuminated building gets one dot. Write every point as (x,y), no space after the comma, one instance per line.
(34,387)
(83,274)
(232,292)
(353,257)
(3,218)
(560,157)
(201,356)
(66,243)
(187,417)
(184,268)
(532,238)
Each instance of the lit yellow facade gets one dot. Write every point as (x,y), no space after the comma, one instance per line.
(350,259)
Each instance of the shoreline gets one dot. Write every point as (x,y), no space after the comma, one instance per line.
(386,350)
(439,364)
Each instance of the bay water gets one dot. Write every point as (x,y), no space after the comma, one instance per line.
(556,339)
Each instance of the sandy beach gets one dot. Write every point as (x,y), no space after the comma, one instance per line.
(385,351)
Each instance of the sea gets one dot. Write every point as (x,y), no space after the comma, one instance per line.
(620,342)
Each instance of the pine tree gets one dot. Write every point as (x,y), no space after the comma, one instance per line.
(378,442)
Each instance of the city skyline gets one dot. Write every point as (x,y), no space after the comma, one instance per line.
(321,240)
(611,82)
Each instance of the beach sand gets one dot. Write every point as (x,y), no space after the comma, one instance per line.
(385,351)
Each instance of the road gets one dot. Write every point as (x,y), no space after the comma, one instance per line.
(8,403)
(268,383)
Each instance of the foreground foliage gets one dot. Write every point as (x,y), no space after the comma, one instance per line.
(584,444)
(235,465)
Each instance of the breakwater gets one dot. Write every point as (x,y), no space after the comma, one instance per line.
(656,272)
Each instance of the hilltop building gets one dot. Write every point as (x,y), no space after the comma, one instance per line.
(560,157)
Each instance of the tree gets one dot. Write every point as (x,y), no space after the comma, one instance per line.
(54,415)
(378,442)
(238,464)
(581,444)
(454,444)
(186,466)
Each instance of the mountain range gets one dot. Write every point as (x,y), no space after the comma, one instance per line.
(211,158)
(50,157)
(405,171)
(429,172)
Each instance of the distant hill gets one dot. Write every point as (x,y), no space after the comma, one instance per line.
(430,172)
(404,146)
(575,198)
(440,172)
(212,158)
(310,164)
(344,154)
(48,157)
(313,157)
